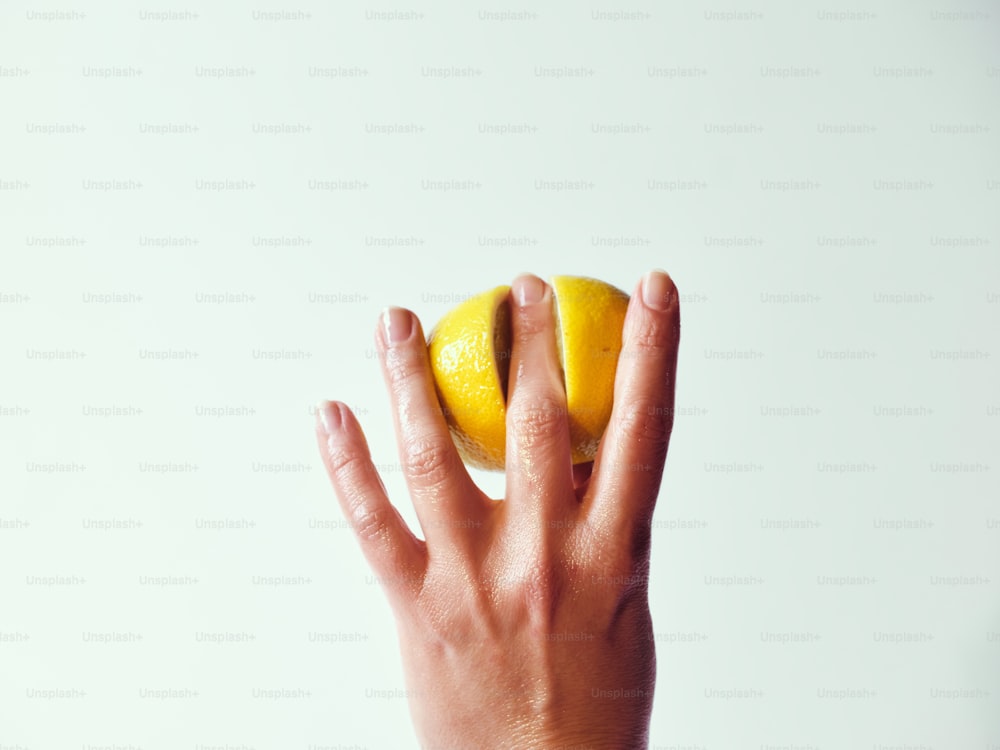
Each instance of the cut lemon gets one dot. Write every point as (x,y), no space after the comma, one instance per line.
(470,351)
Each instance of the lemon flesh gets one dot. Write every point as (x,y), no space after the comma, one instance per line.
(470,351)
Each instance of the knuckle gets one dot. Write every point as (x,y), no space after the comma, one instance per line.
(369,522)
(346,461)
(654,337)
(537,418)
(403,367)
(355,475)
(528,324)
(647,422)
(429,460)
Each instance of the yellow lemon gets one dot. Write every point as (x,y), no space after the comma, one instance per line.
(470,349)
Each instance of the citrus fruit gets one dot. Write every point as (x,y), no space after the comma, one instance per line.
(470,350)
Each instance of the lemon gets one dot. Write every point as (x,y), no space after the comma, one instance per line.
(470,351)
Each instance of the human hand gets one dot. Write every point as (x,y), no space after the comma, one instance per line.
(523,622)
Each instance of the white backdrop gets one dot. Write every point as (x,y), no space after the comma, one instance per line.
(203,209)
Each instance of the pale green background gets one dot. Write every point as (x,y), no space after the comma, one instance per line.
(829,292)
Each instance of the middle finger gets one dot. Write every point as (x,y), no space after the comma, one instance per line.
(539,463)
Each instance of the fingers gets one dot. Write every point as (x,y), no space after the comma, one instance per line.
(396,556)
(446,499)
(629,463)
(539,464)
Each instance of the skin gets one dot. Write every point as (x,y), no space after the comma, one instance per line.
(523,622)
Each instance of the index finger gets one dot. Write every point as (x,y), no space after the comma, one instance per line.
(629,462)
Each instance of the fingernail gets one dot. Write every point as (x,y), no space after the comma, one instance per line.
(656,290)
(528,290)
(330,416)
(398,325)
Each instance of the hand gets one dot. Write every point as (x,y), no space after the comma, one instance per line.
(523,622)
